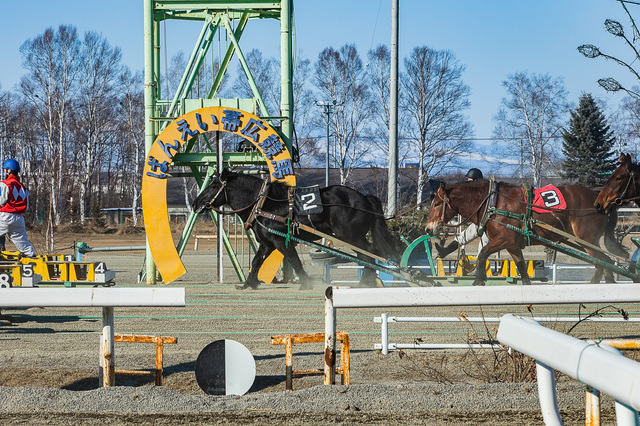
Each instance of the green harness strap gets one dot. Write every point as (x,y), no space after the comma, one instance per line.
(528,200)
(526,217)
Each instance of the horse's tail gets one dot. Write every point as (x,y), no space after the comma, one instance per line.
(382,238)
(610,241)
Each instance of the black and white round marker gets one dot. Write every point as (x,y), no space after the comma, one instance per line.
(225,367)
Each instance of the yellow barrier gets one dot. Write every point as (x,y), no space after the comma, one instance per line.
(502,268)
(50,268)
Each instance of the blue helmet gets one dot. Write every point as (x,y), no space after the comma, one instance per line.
(12,165)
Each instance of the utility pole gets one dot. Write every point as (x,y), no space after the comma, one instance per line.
(328,107)
(392,198)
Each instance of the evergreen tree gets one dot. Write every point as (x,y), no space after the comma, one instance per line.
(588,145)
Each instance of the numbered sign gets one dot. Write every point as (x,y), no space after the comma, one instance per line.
(5,279)
(307,201)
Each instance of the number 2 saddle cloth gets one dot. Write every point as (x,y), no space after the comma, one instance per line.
(307,200)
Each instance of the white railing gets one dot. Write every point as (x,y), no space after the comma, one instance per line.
(337,297)
(603,368)
(384,320)
(103,297)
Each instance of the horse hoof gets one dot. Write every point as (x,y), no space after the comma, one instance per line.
(246,286)
(481,283)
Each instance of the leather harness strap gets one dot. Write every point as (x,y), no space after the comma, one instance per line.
(492,202)
(262,197)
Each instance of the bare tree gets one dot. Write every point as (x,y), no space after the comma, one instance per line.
(340,76)
(378,76)
(174,73)
(626,123)
(304,115)
(9,143)
(95,107)
(434,99)
(530,119)
(266,74)
(53,62)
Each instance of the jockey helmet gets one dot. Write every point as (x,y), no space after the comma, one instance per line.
(474,174)
(12,165)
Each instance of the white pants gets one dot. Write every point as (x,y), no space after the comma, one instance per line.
(470,234)
(12,224)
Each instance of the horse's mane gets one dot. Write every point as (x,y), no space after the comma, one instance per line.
(277,189)
(478,190)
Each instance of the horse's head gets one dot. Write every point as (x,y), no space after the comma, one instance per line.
(213,195)
(620,187)
(440,212)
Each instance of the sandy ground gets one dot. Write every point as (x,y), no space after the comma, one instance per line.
(49,357)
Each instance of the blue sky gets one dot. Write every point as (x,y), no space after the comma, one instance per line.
(491,38)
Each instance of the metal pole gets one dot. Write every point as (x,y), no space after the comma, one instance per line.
(385,333)
(286,71)
(392,198)
(547,395)
(107,363)
(327,109)
(220,227)
(329,338)
(149,108)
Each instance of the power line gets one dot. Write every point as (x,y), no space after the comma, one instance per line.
(458,139)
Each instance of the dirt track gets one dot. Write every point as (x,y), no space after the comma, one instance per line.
(57,348)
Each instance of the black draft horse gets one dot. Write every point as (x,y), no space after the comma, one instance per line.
(347,214)
(580,219)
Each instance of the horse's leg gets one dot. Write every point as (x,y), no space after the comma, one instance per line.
(369,277)
(291,254)
(481,269)
(601,270)
(587,233)
(261,254)
(521,264)
(481,264)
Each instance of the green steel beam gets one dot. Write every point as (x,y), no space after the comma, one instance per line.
(224,64)
(150,133)
(195,62)
(209,158)
(286,72)
(180,5)
(245,66)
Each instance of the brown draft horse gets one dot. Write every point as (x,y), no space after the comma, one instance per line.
(623,186)
(580,218)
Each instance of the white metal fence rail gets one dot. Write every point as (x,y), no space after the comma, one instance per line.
(336,297)
(105,298)
(605,369)
(384,320)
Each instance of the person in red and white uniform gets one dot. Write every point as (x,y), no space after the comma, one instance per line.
(14,201)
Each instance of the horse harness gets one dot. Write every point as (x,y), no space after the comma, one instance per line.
(619,200)
(257,207)
(489,209)
(490,202)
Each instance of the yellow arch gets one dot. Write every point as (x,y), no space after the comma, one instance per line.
(160,156)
